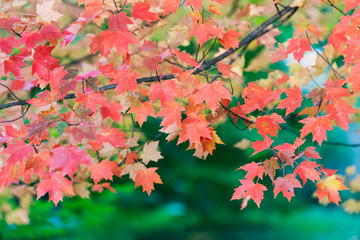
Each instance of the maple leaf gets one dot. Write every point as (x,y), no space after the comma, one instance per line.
(214,10)
(171,113)
(259,146)
(142,112)
(230,39)
(311,153)
(186,58)
(83,131)
(286,185)
(171,6)
(102,170)
(106,40)
(211,93)
(43,61)
(340,110)
(146,178)
(44,98)
(165,91)
(112,110)
(67,159)
(119,20)
(141,11)
(253,170)
(113,136)
(18,151)
(125,80)
(197,4)
(306,170)
(256,97)
(46,11)
(100,187)
(150,152)
(330,187)
(317,126)
(298,47)
(55,184)
(194,127)
(225,70)
(204,32)
(8,43)
(293,100)
(38,161)
(7,175)
(91,100)
(270,167)
(269,124)
(208,145)
(14,63)
(249,190)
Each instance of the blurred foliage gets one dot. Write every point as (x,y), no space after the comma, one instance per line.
(193,203)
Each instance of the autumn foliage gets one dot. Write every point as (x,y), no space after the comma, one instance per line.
(68,125)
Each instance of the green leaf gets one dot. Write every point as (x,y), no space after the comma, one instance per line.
(63,110)
(60,127)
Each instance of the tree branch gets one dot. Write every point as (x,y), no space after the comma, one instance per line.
(259,31)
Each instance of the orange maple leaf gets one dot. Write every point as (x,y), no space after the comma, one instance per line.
(330,187)
(146,178)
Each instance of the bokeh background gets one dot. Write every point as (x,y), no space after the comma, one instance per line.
(194,201)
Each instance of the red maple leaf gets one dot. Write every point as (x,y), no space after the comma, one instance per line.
(67,159)
(194,127)
(204,32)
(171,113)
(91,100)
(165,91)
(125,80)
(38,162)
(55,184)
(142,112)
(311,153)
(43,61)
(225,70)
(269,124)
(106,40)
(146,178)
(211,93)
(186,58)
(298,47)
(45,98)
(317,126)
(171,6)
(112,110)
(141,11)
(119,20)
(14,63)
(253,170)
(249,190)
(259,146)
(230,39)
(6,44)
(306,170)
(340,110)
(330,187)
(18,151)
(293,100)
(286,185)
(102,170)
(113,136)
(197,4)
(100,187)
